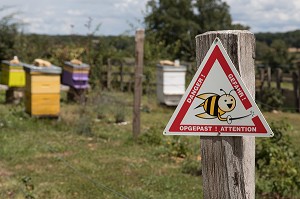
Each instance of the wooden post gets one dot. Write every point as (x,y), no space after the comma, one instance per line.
(121,75)
(278,78)
(298,99)
(296,91)
(269,76)
(139,62)
(262,82)
(228,163)
(108,74)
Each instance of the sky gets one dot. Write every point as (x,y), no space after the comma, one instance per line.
(124,16)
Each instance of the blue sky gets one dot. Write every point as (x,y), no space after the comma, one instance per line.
(115,16)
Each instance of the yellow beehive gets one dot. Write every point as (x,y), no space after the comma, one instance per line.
(12,75)
(42,91)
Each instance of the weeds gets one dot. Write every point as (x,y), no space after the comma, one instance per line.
(29,187)
(277,165)
(191,166)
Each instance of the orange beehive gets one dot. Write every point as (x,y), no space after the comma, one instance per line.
(42,90)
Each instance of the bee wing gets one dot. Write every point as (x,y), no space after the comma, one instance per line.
(205,116)
(204,96)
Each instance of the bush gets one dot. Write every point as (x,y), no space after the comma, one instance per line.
(175,146)
(83,125)
(152,136)
(278,172)
(272,99)
(191,166)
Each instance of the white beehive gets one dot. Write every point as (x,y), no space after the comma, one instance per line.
(170,85)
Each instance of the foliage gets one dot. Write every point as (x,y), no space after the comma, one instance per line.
(177,146)
(83,126)
(291,38)
(66,165)
(191,166)
(278,172)
(8,35)
(152,136)
(272,99)
(175,34)
(276,55)
(29,187)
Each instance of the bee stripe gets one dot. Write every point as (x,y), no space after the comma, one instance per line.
(216,106)
(213,105)
(207,105)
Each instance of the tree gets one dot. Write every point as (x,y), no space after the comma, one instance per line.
(173,24)
(8,33)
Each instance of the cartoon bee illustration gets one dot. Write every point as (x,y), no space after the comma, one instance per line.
(216,105)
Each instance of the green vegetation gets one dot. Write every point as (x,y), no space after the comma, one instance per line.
(175,34)
(44,158)
(89,151)
(277,164)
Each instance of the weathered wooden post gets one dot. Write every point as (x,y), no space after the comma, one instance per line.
(228,163)
(108,74)
(278,78)
(269,76)
(262,82)
(298,99)
(296,90)
(262,76)
(139,62)
(121,75)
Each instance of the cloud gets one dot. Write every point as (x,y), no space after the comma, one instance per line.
(57,16)
(266,15)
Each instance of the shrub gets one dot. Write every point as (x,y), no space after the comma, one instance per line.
(178,146)
(278,172)
(152,136)
(272,99)
(83,125)
(191,166)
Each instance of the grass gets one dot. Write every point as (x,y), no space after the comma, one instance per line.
(63,162)
(107,163)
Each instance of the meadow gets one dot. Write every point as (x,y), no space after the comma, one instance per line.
(86,154)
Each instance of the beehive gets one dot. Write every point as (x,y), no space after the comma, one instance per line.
(76,75)
(170,85)
(42,90)
(12,75)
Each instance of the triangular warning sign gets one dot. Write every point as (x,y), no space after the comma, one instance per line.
(217,103)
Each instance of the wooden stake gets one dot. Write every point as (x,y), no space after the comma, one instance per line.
(121,76)
(139,62)
(228,163)
(295,76)
(269,76)
(108,74)
(278,79)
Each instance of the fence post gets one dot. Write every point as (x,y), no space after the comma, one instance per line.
(228,163)
(108,74)
(269,77)
(296,90)
(139,62)
(278,78)
(262,82)
(121,76)
(298,99)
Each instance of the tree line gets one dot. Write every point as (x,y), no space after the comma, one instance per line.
(171,27)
